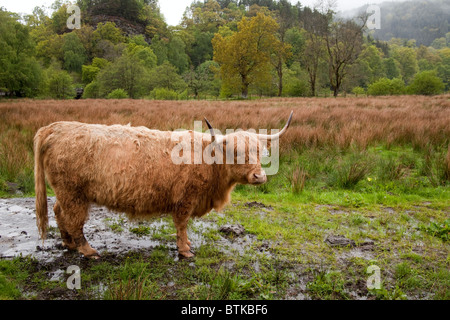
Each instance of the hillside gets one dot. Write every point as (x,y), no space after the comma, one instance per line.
(422,20)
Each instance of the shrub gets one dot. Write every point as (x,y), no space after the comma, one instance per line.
(163,94)
(60,85)
(117,94)
(385,86)
(426,83)
(297,178)
(91,91)
(350,171)
(358,91)
(391,169)
(296,88)
(436,167)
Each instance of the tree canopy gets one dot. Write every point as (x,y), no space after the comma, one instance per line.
(220,48)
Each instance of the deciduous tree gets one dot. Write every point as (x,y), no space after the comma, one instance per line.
(245,55)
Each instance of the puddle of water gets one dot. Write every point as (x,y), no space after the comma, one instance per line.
(19,234)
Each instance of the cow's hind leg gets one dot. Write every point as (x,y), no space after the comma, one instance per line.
(73,215)
(66,238)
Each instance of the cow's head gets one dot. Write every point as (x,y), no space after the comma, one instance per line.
(242,151)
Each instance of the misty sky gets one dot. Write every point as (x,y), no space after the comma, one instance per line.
(171,9)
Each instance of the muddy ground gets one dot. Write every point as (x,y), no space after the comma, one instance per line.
(115,237)
(19,233)
(111,234)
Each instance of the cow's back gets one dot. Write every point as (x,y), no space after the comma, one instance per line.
(124,168)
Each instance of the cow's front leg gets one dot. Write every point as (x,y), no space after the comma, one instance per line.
(181,221)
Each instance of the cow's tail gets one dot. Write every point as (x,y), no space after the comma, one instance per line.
(40,188)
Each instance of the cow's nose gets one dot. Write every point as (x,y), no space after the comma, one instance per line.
(260,178)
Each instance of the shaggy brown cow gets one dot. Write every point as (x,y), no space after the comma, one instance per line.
(131,170)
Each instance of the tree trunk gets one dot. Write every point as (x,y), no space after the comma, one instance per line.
(335,91)
(280,77)
(245,84)
(244,93)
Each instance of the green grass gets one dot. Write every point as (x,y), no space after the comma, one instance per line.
(394,202)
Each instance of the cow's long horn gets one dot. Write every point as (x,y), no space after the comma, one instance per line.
(279,134)
(213,136)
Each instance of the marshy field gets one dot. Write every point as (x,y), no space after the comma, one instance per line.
(363,185)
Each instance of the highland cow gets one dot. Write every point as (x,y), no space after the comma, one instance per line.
(131,170)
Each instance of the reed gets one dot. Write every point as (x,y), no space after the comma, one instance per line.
(343,123)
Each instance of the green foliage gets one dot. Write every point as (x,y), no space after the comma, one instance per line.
(108,31)
(117,94)
(128,73)
(391,67)
(406,57)
(426,83)
(141,230)
(21,74)
(201,49)
(423,21)
(60,84)
(145,55)
(349,171)
(92,91)
(74,52)
(263,51)
(439,230)
(89,73)
(176,54)
(328,285)
(436,166)
(166,76)
(163,94)
(358,91)
(159,48)
(385,86)
(244,57)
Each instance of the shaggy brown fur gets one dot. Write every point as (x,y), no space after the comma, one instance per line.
(129,169)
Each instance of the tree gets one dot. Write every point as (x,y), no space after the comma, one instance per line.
(443,68)
(196,80)
(245,55)
(159,47)
(20,73)
(314,51)
(406,58)
(74,52)
(391,68)
(108,31)
(60,83)
(371,57)
(343,41)
(426,83)
(89,73)
(201,49)
(127,73)
(59,17)
(385,86)
(145,55)
(286,18)
(176,54)
(316,25)
(166,76)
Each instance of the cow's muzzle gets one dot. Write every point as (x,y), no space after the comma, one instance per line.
(258,178)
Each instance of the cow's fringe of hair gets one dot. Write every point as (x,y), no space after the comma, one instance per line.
(40,188)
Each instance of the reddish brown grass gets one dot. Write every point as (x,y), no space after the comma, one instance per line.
(414,120)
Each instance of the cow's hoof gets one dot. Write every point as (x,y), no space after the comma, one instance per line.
(94,256)
(186,254)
